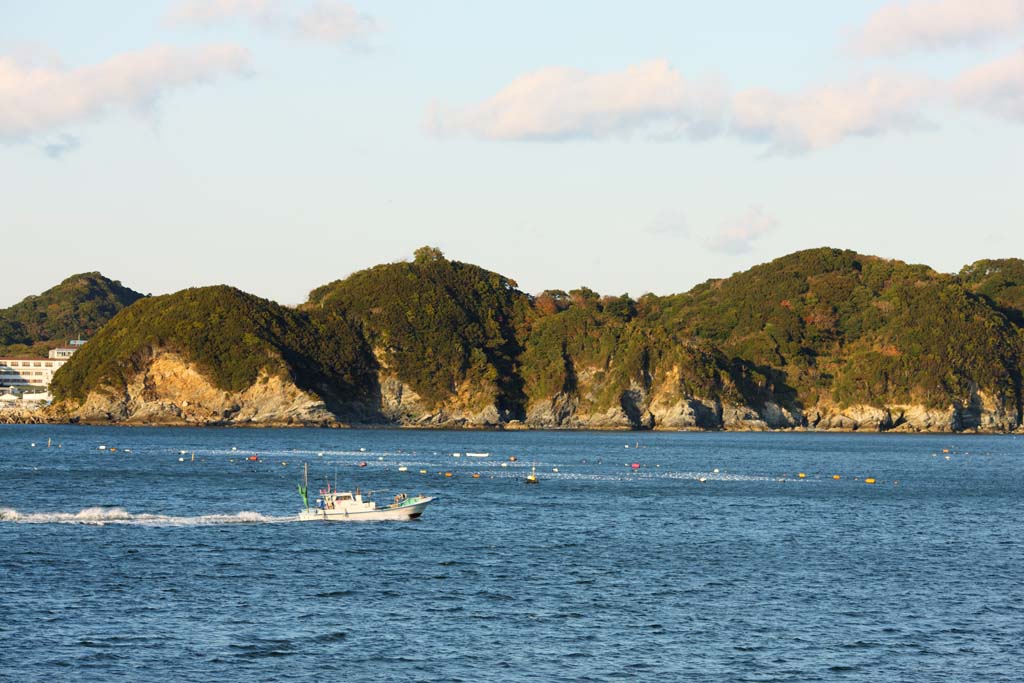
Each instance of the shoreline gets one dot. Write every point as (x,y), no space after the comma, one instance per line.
(450,427)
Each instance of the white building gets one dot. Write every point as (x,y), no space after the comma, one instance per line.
(35,372)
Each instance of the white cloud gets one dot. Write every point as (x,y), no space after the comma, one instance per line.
(996,87)
(39,99)
(336,23)
(738,235)
(825,116)
(558,103)
(936,24)
(327,21)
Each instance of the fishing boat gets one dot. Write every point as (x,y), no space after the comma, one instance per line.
(333,505)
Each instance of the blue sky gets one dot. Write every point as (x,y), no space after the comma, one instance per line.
(276,145)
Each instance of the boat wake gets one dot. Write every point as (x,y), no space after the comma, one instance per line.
(100,516)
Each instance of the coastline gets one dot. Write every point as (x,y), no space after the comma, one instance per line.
(39,417)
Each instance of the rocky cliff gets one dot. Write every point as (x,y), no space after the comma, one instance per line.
(823,339)
(170,390)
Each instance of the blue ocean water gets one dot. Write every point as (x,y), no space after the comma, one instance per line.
(714,560)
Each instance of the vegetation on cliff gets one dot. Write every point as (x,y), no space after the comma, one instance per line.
(77,307)
(437,324)
(836,325)
(817,328)
(231,336)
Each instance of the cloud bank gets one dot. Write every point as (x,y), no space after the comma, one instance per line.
(823,117)
(39,99)
(558,103)
(937,24)
(334,23)
(652,98)
(996,87)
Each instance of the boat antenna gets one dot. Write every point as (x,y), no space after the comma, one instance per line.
(304,485)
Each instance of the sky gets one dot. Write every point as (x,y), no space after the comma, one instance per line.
(630,147)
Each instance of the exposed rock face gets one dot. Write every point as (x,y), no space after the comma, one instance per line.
(400,404)
(172,391)
(980,413)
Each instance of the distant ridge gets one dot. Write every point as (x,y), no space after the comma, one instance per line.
(78,306)
(818,339)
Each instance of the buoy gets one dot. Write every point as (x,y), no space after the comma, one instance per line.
(947,457)
(253,458)
(802,475)
(554,469)
(33,445)
(321,454)
(362,463)
(702,479)
(504,464)
(103,448)
(403,468)
(716,470)
(423,471)
(284,463)
(869,480)
(635,466)
(181,459)
(511,458)
(945,450)
(447,474)
(234,448)
(836,477)
(362,450)
(476,475)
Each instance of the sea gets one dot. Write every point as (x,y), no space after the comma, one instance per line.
(175,554)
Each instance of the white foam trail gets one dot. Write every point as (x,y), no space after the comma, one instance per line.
(713,476)
(97,516)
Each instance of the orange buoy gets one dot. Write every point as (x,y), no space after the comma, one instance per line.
(836,477)
(476,475)
(447,474)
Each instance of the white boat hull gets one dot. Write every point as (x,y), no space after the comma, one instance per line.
(390,513)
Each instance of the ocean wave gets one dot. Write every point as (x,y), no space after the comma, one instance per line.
(99,516)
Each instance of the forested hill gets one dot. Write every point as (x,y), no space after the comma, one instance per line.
(823,338)
(77,307)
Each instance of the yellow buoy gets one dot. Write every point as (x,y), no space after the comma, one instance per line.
(476,475)
(869,480)
(802,475)
(836,477)
(423,471)
(447,474)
